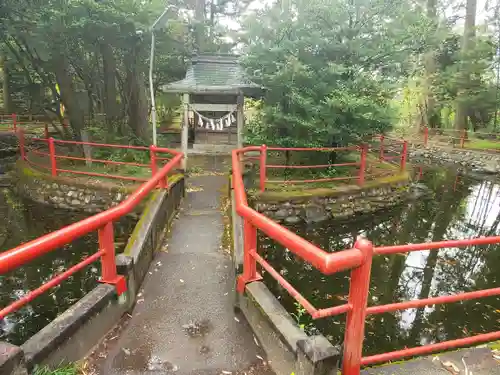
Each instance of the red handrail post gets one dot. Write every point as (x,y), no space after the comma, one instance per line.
(108,263)
(22,143)
(358,299)
(52,152)
(263,160)
(462,138)
(426,136)
(46,131)
(362,165)
(249,262)
(154,167)
(381,148)
(14,121)
(404,156)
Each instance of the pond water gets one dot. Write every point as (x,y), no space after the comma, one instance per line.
(22,221)
(458,207)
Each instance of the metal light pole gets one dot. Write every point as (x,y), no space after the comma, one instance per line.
(156,25)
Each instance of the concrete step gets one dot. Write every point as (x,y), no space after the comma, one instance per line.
(212,148)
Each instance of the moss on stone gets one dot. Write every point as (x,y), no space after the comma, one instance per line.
(147,208)
(286,195)
(135,233)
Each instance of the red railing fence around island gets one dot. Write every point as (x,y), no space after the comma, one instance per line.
(464,139)
(43,153)
(101,222)
(388,151)
(358,260)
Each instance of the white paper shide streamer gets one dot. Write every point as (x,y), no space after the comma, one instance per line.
(215,124)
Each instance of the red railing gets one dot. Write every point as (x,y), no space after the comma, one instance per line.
(462,138)
(358,260)
(102,223)
(14,122)
(360,165)
(391,150)
(50,157)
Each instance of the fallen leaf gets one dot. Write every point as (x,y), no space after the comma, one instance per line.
(451,367)
(256,341)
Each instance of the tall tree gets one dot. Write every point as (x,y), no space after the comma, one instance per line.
(330,70)
(462,108)
(431,110)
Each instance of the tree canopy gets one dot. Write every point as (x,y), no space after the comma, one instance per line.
(334,71)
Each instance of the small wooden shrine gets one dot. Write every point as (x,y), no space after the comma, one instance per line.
(213,96)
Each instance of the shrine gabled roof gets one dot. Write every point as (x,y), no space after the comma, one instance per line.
(213,74)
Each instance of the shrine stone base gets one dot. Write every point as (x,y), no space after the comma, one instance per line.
(206,148)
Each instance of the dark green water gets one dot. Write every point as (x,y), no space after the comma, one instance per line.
(458,207)
(23,221)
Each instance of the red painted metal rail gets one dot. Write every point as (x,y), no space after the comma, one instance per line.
(33,146)
(358,260)
(459,137)
(28,123)
(362,163)
(102,223)
(391,150)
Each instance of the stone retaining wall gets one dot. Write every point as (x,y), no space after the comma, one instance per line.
(322,204)
(478,161)
(71,336)
(68,193)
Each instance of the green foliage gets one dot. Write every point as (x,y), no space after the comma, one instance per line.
(330,70)
(71,369)
(102,47)
(302,318)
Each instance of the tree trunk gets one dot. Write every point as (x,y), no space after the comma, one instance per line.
(462,102)
(137,108)
(110,94)
(432,115)
(68,97)
(7,98)
(199,15)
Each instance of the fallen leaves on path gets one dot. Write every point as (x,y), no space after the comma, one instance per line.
(448,366)
(193,189)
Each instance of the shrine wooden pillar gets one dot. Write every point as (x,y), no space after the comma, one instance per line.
(240,118)
(185,130)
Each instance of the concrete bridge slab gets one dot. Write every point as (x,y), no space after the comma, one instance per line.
(184,322)
(474,361)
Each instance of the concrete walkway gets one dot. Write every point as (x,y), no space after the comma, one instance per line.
(184,322)
(473,361)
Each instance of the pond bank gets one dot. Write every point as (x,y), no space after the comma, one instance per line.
(474,160)
(457,207)
(25,220)
(69,193)
(312,206)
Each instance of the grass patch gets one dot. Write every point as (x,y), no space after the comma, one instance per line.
(483,144)
(71,369)
(495,345)
(375,172)
(121,170)
(305,191)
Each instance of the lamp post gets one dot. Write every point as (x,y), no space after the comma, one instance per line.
(156,25)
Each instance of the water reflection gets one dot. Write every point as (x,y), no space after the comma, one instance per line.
(23,221)
(458,207)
